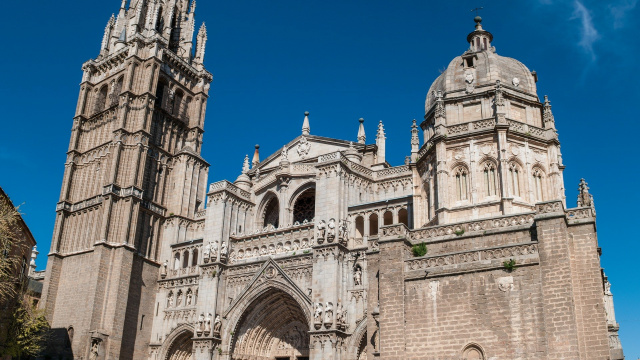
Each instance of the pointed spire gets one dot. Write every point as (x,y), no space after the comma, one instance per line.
(107,33)
(256,157)
(547,115)
(439,111)
(245,164)
(584,198)
(305,124)
(381,143)
(415,141)
(362,138)
(193,7)
(201,42)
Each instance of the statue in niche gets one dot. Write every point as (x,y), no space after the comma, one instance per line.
(357,276)
(163,269)
(214,251)
(206,253)
(170,300)
(344,232)
(95,348)
(207,324)
(179,299)
(328,315)
(331,230)
(200,326)
(223,250)
(217,325)
(322,231)
(189,298)
(317,315)
(339,315)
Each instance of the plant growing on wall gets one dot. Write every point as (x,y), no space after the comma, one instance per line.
(419,250)
(509,265)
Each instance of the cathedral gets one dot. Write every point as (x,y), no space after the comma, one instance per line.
(321,250)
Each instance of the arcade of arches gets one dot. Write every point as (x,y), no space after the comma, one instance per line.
(273,327)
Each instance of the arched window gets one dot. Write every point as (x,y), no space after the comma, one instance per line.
(194,257)
(271,213)
(176,261)
(359,227)
(101,99)
(177,103)
(489,179)
(115,94)
(514,179)
(537,184)
(160,93)
(373,225)
(185,259)
(472,352)
(403,217)
(461,183)
(305,207)
(387,218)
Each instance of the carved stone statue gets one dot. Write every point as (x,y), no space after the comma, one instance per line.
(207,324)
(217,325)
(343,234)
(163,269)
(317,316)
(214,250)
(357,276)
(179,299)
(189,298)
(303,147)
(206,253)
(331,230)
(322,231)
(284,154)
(224,251)
(200,326)
(328,315)
(170,300)
(95,347)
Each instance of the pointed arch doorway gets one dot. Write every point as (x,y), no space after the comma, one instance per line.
(274,327)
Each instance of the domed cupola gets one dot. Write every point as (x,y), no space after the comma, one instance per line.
(478,69)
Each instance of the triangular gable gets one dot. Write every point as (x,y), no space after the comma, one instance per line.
(268,272)
(318,145)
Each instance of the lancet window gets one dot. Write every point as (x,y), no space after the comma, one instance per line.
(101,99)
(514,179)
(461,183)
(305,207)
(489,172)
(537,184)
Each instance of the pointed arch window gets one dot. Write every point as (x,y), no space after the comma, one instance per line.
(304,209)
(461,183)
(489,172)
(272,213)
(537,184)
(514,179)
(101,99)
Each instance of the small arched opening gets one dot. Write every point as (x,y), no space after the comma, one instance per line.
(101,99)
(194,257)
(185,259)
(373,225)
(403,217)
(388,218)
(472,352)
(359,227)
(176,261)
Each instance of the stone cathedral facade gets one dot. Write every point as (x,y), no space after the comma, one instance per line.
(318,250)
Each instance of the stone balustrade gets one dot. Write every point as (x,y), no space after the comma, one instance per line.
(272,242)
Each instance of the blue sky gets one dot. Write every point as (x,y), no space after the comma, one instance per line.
(342,60)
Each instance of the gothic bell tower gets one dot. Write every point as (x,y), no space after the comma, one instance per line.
(133,163)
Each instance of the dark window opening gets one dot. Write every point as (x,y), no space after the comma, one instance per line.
(305,207)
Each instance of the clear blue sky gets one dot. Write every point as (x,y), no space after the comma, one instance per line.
(342,60)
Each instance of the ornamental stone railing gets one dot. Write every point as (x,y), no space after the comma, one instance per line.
(496,253)
(272,242)
(477,225)
(188,271)
(201,213)
(226,185)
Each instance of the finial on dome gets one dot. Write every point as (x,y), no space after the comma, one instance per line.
(245,164)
